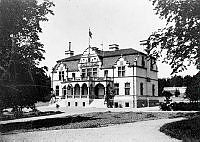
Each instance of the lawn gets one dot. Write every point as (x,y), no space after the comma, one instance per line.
(11,115)
(89,120)
(185,129)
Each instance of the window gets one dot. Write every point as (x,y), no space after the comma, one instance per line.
(83,73)
(68,103)
(116,85)
(127,104)
(121,71)
(116,104)
(64,91)
(76,104)
(94,72)
(127,88)
(143,62)
(141,89)
(153,90)
(89,72)
(83,103)
(61,75)
(57,90)
(151,62)
(105,73)
(73,75)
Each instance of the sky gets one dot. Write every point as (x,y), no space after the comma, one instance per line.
(124,22)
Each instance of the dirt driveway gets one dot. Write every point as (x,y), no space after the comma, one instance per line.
(144,131)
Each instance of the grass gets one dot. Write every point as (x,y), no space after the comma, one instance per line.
(185,129)
(11,115)
(89,120)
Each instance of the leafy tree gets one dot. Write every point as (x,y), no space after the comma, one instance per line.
(187,80)
(161,84)
(176,81)
(167,95)
(180,39)
(193,90)
(21,81)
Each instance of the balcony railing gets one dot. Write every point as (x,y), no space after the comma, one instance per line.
(88,79)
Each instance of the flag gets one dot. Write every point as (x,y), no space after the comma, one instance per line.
(90,34)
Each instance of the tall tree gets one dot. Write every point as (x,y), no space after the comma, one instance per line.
(193,89)
(176,81)
(180,39)
(20,49)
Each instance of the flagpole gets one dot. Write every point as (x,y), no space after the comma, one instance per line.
(89,40)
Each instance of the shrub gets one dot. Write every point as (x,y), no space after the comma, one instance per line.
(165,107)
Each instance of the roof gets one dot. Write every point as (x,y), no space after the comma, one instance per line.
(127,51)
(104,54)
(72,58)
(109,58)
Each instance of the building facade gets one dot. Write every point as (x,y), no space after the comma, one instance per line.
(114,78)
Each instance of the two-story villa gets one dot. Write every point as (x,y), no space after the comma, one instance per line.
(96,78)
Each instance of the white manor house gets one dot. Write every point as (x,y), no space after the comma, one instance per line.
(114,78)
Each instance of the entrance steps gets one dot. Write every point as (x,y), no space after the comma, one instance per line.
(98,103)
(60,102)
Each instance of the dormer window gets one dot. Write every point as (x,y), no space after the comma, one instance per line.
(121,71)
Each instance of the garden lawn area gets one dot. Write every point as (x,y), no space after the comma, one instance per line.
(88,120)
(185,129)
(11,115)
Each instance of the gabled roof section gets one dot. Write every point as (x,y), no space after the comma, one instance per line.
(128,51)
(72,58)
(109,58)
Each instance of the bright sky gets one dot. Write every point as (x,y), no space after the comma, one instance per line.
(125,22)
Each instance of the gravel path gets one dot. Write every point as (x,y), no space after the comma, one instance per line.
(144,131)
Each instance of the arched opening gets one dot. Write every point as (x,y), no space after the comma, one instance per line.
(69,91)
(99,91)
(91,92)
(64,91)
(84,91)
(77,91)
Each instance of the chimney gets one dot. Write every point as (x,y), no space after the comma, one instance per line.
(114,47)
(69,53)
(69,46)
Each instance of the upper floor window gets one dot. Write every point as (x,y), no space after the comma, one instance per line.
(73,75)
(57,90)
(94,73)
(116,85)
(153,90)
(105,73)
(152,62)
(121,71)
(64,91)
(141,89)
(83,73)
(89,72)
(61,75)
(143,61)
(127,88)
